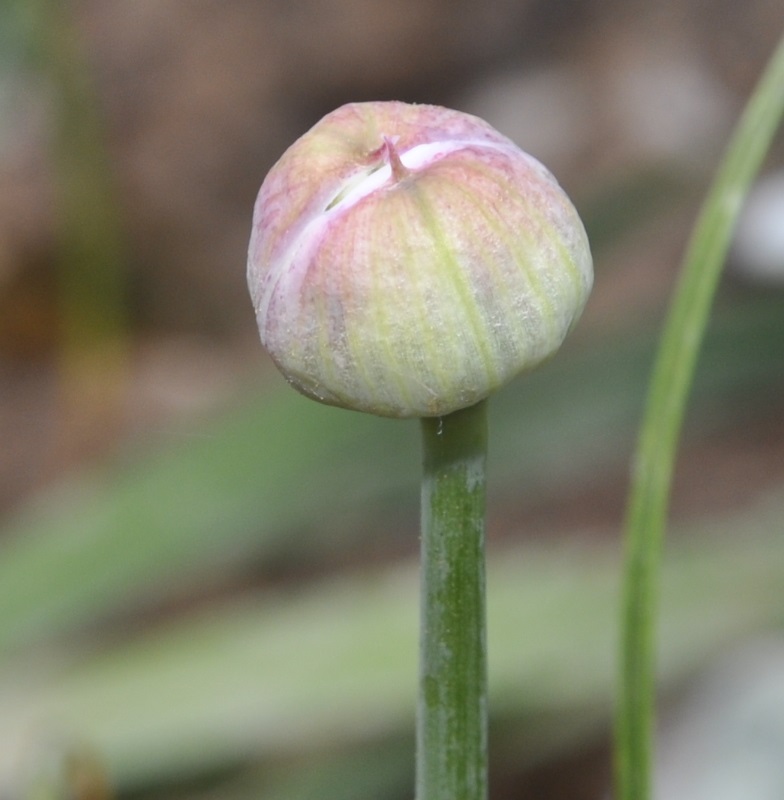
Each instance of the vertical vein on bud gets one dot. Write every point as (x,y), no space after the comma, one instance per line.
(556,239)
(477,323)
(523,245)
(508,294)
(384,352)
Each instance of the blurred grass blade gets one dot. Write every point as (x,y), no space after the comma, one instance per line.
(182,515)
(670,383)
(91,248)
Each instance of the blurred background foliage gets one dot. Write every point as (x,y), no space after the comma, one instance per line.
(208,584)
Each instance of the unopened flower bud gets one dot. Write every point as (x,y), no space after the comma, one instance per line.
(408,260)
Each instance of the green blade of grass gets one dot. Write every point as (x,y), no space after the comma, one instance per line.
(670,384)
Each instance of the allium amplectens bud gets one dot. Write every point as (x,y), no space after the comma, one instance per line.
(407,260)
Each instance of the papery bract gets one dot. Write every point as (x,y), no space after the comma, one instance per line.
(408,260)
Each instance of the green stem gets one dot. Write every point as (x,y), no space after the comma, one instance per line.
(452,712)
(669,390)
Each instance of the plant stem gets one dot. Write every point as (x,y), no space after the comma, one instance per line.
(452,711)
(655,459)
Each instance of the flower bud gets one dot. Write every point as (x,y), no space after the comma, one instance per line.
(408,260)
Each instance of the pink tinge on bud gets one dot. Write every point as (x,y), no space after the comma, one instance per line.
(408,260)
